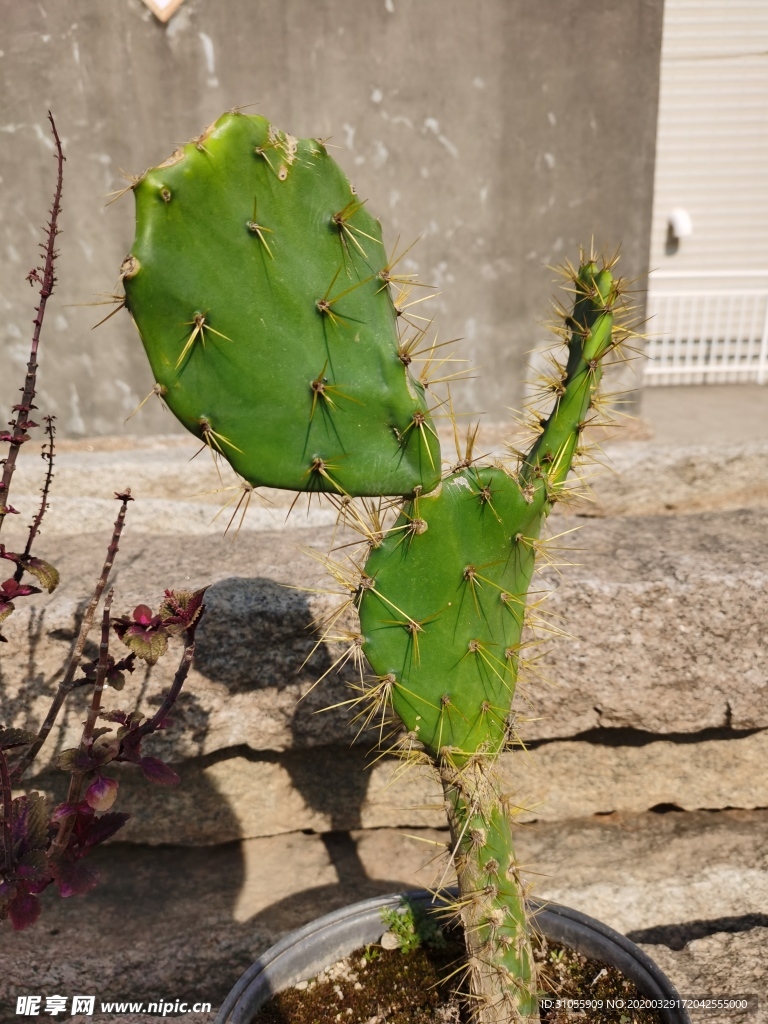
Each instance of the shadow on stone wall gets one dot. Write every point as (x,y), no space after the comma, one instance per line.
(275,620)
(254,641)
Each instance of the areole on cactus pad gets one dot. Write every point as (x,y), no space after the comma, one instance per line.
(261,289)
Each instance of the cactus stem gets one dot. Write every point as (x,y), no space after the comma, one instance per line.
(413,628)
(413,527)
(198,141)
(129,268)
(477,648)
(406,349)
(324,392)
(324,305)
(484,494)
(320,468)
(212,439)
(421,423)
(274,143)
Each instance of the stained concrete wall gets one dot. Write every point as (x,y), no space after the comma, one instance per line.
(502,132)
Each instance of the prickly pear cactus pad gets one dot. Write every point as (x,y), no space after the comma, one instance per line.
(444,614)
(260,287)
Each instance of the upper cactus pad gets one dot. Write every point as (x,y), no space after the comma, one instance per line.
(260,287)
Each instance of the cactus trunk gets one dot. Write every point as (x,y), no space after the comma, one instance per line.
(502,970)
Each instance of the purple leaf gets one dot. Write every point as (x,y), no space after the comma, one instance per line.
(104,827)
(74,878)
(158,771)
(11,589)
(33,865)
(23,910)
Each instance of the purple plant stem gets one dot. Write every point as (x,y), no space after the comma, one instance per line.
(178,681)
(77,777)
(46,278)
(5,787)
(50,429)
(74,661)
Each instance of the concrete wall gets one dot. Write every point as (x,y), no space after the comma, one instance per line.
(502,132)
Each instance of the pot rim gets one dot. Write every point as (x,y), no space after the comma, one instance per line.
(304,952)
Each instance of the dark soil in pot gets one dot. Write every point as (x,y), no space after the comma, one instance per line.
(379,986)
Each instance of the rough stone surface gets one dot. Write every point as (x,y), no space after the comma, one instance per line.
(328,789)
(669,616)
(183,924)
(669,621)
(726,964)
(180,491)
(654,478)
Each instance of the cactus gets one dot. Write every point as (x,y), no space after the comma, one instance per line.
(442,608)
(261,290)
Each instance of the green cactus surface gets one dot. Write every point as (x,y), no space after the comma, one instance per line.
(493,900)
(444,614)
(261,289)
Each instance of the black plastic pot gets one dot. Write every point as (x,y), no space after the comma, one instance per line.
(304,953)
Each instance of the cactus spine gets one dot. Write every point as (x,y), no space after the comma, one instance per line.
(262,295)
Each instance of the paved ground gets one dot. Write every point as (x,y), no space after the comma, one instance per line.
(706,414)
(172,923)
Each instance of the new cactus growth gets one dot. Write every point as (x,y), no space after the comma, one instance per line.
(261,289)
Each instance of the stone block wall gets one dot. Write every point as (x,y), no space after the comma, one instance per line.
(660,696)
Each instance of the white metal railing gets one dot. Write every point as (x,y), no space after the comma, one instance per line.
(706,334)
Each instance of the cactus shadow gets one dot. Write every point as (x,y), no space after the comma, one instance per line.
(326,769)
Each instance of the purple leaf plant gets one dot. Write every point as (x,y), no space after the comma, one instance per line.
(43,845)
